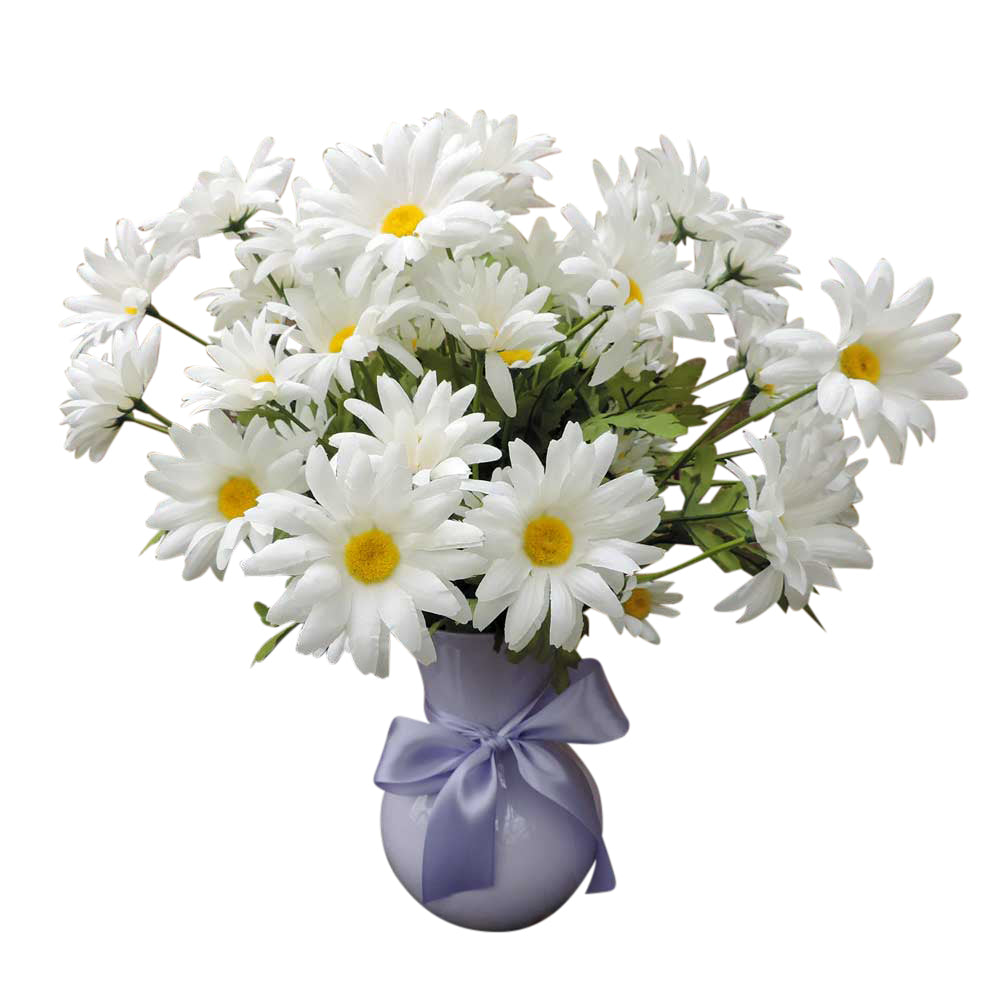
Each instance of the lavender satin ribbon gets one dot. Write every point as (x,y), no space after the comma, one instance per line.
(456,760)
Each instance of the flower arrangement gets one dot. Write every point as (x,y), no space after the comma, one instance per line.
(422,418)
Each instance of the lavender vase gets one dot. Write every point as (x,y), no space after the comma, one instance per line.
(542,853)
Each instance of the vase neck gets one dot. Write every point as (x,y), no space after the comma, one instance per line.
(473,681)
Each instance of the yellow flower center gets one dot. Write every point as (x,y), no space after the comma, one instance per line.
(858,361)
(237,496)
(634,293)
(131,311)
(264,378)
(511,356)
(402,220)
(639,603)
(338,340)
(547,541)
(768,389)
(371,556)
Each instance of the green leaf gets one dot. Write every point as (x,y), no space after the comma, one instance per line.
(662,425)
(262,609)
(696,476)
(269,647)
(152,541)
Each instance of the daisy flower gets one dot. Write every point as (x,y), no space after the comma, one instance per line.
(491,310)
(636,450)
(888,363)
(517,162)
(689,209)
(104,391)
(539,256)
(746,273)
(124,279)
(242,301)
(558,538)
(340,320)
(438,437)
(280,249)
(423,190)
(639,601)
(368,557)
(250,370)
(212,485)
(223,201)
(800,516)
(626,265)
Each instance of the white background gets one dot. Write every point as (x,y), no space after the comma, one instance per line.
(793,815)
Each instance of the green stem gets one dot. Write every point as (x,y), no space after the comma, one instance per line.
(146,423)
(721,406)
(765,413)
(288,415)
(580,324)
(707,554)
(734,454)
(144,407)
(151,310)
(702,517)
(590,336)
(718,378)
(702,438)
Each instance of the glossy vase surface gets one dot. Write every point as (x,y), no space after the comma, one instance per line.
(542,853)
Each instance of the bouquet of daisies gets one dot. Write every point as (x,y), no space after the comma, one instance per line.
(422,415)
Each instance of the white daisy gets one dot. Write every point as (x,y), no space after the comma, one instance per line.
(517,162)
(689,209)
(438,437)
(104,391)
(555,535)
(241,302)
(491,310)
(888,363)
(280,249)
(539,256)
(625,264)
(746,273)
(367,557)
(800,516)
(124,279)
(639,601)
(423,190)
(253,369)
(223,201)
(343,320)
(213,483)
(636,450)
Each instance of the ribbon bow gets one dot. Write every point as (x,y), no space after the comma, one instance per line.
(456,760)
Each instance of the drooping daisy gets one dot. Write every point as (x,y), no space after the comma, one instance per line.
(124,278)
(636,450)
(555,535)
(438,437)
(517,162)
(280,249)
(491,310)
(251,371)
(223,201)
(343,320)
(424,190)
(690,209)
(242,301)
(639,601)
(539,256)
(800,516)
(625,261)
(103,391)
(368,557)
(213,484)
(888,363)
(746,273)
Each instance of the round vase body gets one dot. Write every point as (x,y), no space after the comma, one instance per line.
(542,852)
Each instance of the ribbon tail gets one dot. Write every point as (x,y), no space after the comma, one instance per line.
(459,847)
(561,780)
(603,879)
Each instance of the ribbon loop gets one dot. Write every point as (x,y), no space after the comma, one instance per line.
(456,760)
